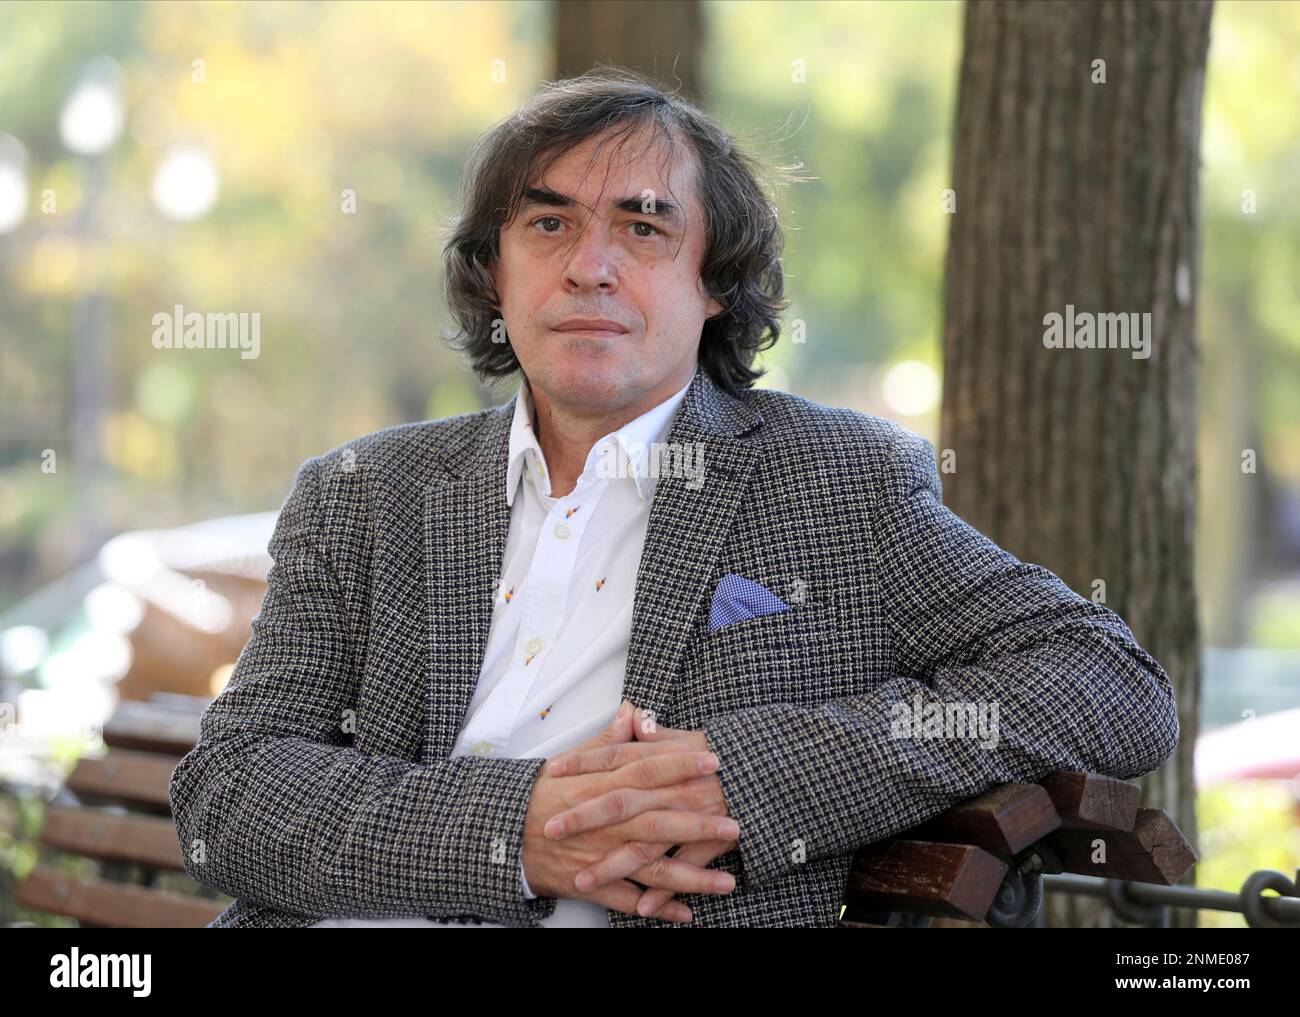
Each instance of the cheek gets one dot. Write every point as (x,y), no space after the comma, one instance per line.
(688,296)
(669,286)
(518,286)
(513,272)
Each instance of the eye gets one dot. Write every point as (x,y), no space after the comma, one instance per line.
(654,230)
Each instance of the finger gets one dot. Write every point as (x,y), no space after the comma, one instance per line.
(623,897)
(628,801)
(618,732)
(662,900)
(678,827)
(654,869)
(676,875)
(611,757)
(613,807)
(670,827)
(667,768)
(618,864)
(646,728)
(623,803)
(592,760)
(701,853)
(706,838)
(620,728)
(654,902)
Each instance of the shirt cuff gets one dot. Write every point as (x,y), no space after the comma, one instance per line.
(528,894)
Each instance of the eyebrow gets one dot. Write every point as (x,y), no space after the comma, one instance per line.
(664,209)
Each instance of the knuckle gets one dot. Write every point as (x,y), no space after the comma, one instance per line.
(620,804)
(646,771)
(643,854)
(702,793)
(661,869)
(652,826)
(608,757)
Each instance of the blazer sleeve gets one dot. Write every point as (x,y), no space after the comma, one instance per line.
(971,625)
(274,806)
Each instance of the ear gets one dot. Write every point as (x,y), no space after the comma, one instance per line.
(713,308)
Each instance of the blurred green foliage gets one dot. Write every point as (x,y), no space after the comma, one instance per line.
(1245,826)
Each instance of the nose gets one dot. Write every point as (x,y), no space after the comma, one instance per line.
(591,265)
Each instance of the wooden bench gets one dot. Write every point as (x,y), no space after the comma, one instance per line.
(112,825)
(983,860)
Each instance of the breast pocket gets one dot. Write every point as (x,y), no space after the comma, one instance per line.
(774,658)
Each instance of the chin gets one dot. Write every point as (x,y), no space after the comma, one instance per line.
(592,382)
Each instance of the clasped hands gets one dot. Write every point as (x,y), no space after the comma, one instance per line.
(609,810)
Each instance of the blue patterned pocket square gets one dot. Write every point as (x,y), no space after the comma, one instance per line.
(738,598)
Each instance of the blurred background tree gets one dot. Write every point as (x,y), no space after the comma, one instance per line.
(1084,460)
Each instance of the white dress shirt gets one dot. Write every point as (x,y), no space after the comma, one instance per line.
(552,674)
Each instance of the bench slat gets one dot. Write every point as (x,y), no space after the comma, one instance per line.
(1155,851)
(954,880)
(1089,801)
(1003,821)
(151,727)
(124,775)
(113,904)
(145,840)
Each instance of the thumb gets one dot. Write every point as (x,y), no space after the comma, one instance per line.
(646,729)
(620,728)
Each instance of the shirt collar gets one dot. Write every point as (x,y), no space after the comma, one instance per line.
(632,440)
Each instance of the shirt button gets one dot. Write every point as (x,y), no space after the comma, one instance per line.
(533,645)
(482,748)
(561,531)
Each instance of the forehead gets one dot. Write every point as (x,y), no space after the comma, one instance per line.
(615,170)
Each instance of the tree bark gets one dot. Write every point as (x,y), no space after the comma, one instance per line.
(1074,191)
(663,39)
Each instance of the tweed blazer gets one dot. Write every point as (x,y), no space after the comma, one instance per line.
(322,783)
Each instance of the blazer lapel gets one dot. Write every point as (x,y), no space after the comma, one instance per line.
(686,531)
(467,521)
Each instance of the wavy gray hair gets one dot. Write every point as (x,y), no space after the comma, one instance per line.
(741,267)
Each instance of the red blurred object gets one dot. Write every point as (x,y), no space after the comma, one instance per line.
(1260,748)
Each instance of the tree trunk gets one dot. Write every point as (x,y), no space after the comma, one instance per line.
(1074,190)
(663,39)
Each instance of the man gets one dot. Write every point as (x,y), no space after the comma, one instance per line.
(774,585)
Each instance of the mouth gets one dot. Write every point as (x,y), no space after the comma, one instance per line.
(597,328)
(591,333)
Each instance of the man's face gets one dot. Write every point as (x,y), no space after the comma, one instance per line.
(620,239)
